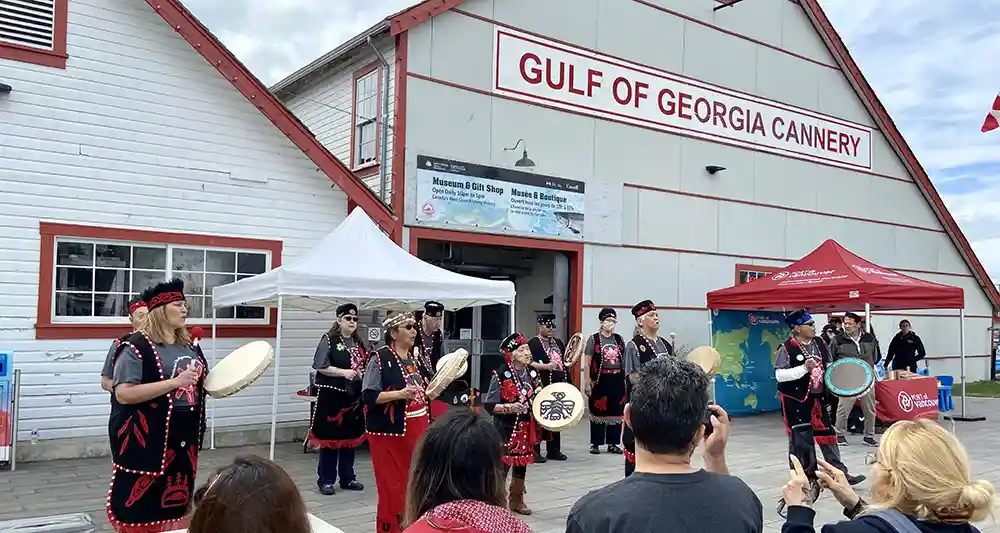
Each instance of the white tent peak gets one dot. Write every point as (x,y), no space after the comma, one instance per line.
(358,263)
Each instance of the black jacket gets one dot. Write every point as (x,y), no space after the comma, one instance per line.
(905,351)
(800,520)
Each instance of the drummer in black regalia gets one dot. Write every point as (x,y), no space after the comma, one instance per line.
(137,312)
(338,423)
(547,358)
(512,388)
(430,340)
(645,346)
(605,384)
(157,418)
(799,367)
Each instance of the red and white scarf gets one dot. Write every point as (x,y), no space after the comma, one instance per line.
(478,515)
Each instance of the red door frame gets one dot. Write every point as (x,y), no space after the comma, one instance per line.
(574,249)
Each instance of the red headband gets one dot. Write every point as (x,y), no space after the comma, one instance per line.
(164,298)
(135,307)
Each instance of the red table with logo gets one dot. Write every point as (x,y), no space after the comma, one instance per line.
(906,399)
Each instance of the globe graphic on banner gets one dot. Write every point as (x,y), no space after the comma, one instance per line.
(747,342)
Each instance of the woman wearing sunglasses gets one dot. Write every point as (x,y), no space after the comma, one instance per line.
(338,425)
(396,415)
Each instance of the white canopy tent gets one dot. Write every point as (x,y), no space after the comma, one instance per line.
(355,263)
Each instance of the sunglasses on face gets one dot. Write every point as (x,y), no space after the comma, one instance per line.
(410,327)
(350,318)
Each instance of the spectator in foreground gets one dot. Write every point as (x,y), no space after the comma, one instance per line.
(921,482)
(667,413)
(251,495)
(457,479)
(905,349)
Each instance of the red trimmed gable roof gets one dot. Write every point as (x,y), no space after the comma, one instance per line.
(206,44)
(424,11)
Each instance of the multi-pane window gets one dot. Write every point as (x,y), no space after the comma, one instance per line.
(748,273)
(94,280)
(365,115)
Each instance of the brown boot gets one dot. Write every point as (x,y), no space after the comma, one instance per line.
(517,497)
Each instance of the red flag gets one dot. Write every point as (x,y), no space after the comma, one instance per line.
(992,121)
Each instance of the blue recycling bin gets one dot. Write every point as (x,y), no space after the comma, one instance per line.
(6,405)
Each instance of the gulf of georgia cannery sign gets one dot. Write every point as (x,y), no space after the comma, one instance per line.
(537,70)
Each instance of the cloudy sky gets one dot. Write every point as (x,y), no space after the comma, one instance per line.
(933,64)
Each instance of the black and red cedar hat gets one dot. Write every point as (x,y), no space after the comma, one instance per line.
(606,313)
(547,319)
(163,293)
(643,307)
(135,305)
(511,343)
(347,309)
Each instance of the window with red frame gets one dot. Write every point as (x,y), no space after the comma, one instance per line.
(366,110)
(94,280)
(34,31)
(88,274)
(748,273)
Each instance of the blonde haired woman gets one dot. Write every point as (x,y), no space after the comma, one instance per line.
(921,482)
(157,418)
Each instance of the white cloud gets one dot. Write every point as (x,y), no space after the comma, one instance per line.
(933,64)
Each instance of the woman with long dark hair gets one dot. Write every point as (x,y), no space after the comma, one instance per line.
(394,392)
(457,480)
(251,495)
(338,424)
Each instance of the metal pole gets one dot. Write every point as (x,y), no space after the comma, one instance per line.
(14,419)
(277,376)
(711,339)
(961,347)
(383,178)
(214,335)
(868,316)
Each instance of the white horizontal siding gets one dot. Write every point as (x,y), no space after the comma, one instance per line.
(324,105)
(140,132)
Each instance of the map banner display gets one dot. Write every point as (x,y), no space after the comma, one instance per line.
(477,197)
(747,341)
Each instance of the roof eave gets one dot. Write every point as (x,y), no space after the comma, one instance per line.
(328,58)
(182,21)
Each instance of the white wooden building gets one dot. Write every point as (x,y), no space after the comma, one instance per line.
(133,147)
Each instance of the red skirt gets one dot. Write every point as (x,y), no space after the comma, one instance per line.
(391,458)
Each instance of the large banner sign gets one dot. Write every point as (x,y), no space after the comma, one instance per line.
(534,69)
(747,341)
(469,196)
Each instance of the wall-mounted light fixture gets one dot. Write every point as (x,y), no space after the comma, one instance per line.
(714,169)
(4,88)
(524,161)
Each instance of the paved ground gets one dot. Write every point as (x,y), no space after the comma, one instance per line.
(756,454)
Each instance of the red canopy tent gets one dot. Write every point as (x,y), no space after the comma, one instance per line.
(832,279)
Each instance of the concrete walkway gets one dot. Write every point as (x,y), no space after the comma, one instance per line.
(757,454)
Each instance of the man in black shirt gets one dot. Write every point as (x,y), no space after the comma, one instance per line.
(905,349)
(667,412)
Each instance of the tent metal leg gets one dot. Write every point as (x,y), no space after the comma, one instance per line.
(277,378)
(961,345)
(214,359)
